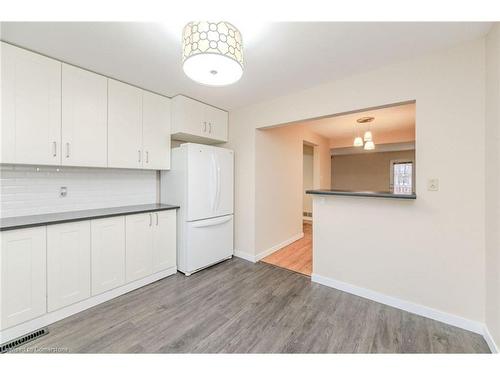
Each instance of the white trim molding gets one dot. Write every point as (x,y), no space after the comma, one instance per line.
(279,246)
(255,258)
(244,255)
(428,312)
(489,340)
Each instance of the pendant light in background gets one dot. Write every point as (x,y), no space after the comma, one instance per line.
(369,145)
(358,142)
(212,53)
(368,136)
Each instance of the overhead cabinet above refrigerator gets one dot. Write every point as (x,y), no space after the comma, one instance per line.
(193,121)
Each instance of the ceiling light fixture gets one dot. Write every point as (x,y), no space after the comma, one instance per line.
(369,145)
(358,142)
(368,136)
(212,53)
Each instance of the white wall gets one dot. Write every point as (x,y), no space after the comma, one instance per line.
(493,182)
(448,241)
(26,191)
(279,182)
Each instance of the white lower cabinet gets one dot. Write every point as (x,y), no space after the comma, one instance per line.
(108,253)
(164,240)
(60,269)
(151,243)
(139,245)
(23,280)
(68,264)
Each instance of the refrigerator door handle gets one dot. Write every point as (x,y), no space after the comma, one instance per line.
(218,184)
(214,181)
(212,222)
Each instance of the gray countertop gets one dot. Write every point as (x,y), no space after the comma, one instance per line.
(375,194)
(18,222)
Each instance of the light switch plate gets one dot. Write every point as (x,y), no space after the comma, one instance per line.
(433,184)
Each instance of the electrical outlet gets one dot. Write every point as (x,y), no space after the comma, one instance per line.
(433,184)
(63,191)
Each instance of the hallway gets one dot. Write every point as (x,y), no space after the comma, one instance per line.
(297,256)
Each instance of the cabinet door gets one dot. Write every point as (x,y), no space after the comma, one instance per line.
(68,264)
(156,131)
(164,240)
(23,275)
(108,253)
(217,123)
(31,107)
(188,118)
(124,125)
(139,245)
(84,117)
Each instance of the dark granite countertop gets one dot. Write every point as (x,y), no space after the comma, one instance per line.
(18,222)
(375,194)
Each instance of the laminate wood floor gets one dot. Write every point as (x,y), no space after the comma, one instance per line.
(241,307)
(297,256)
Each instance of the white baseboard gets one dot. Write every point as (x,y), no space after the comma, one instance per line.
(255,258)
(246,256)
(54,316)
(281,245)
(428,312)
(489,340)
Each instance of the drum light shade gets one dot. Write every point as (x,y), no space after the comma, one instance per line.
(212,53)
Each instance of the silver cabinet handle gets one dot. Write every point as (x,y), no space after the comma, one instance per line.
(210,127)
(139,152)
(157,219)
(147,156)
(54,145)
(67,149)
(204,126)
(150,220)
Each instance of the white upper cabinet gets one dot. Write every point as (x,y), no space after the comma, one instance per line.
(31,107)
(22,275)
(68,264)
(155,131)
(84,117)
(193,121)
(124,125)
(57,114)
(217,123)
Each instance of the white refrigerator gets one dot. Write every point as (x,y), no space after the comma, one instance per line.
(201,182)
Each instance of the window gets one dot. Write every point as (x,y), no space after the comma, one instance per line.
(402,177)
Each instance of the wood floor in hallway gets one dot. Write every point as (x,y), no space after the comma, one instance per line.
(297,256)
(240,307)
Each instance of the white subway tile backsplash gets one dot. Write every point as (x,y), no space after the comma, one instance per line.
(31,190)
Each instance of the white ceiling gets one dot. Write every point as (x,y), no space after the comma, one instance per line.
(280,57)
(398,119)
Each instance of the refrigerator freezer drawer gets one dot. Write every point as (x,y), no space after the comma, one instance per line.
(208,241)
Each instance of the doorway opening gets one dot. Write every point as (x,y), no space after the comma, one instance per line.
(297,256)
